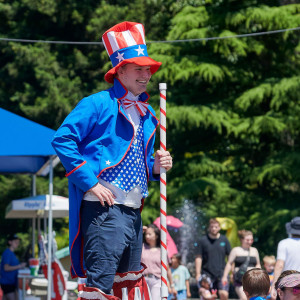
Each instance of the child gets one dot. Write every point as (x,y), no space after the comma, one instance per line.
(256,284)
(269,264)
(181,276)
(205,291)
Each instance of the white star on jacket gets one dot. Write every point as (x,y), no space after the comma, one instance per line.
(120,56)
(108,162)
(140,50)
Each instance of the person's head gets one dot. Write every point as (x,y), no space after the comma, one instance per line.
(175,260)
(152,236)
(13,241)
(288,285)
(246,238)
(256,282)
(293,227)
(269,263)
(205,282)
(134,77)
(214,227)
(125,44)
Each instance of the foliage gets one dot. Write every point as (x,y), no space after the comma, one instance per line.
(233,104)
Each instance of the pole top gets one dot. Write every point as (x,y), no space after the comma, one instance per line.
(162,86)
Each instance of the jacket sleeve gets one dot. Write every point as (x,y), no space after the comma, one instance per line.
(152,177)
(71,133)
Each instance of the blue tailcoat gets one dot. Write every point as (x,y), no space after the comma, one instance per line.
(94,137)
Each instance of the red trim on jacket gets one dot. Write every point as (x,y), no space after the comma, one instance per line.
(81,258)
(83,163)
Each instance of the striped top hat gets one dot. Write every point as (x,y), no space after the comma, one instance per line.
(125,43)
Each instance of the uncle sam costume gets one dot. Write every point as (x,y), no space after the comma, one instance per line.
(109,138)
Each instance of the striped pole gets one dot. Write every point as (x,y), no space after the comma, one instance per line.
(163,193)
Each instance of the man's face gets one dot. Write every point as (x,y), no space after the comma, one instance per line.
(214,228)
(135,78)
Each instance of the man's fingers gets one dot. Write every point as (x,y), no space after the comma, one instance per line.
(108,196)
(101,200)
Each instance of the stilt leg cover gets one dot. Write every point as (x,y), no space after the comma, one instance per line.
(87,293)
(131,286)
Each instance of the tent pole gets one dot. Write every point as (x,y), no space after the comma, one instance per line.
(33,219)
(50,230)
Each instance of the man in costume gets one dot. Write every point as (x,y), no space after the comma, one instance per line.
(106,146)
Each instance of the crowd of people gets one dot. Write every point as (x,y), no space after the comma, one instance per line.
(243,268)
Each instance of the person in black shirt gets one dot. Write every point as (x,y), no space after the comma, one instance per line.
(210,259)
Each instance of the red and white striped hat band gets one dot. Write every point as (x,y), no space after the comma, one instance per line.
(125,43)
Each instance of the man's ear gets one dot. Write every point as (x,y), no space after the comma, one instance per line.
(247,294)
(120,70)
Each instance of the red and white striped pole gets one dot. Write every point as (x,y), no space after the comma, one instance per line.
(163,193)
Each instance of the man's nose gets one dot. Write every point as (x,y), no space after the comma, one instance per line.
(146,74)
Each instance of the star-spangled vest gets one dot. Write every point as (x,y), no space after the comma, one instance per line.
(131,171)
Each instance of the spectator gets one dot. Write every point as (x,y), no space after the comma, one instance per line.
(205,290)
(288,250)
(213,248)
(288,285)
(180,276)
(269,264)
(9,269)
(151,258)
(240,256)
(256,284)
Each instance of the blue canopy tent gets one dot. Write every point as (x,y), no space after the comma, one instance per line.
(26,148)
(25,145)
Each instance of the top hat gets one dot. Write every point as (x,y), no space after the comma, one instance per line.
(293,227)
(125,43)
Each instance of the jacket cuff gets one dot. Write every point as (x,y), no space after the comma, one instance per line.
(83,177)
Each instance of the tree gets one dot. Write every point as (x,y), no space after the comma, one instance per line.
(233,108)
(233,113)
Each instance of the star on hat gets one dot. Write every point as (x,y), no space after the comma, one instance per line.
(120,56)
(139,51)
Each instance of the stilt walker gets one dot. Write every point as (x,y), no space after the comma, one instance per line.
(106,145)
(163,192)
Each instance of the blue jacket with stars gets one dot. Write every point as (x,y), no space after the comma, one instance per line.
(94,137)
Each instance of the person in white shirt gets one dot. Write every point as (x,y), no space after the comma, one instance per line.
(288,251)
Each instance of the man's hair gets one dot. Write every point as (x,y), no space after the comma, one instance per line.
(243,233)
(256,282)
(269,259)
(213,221)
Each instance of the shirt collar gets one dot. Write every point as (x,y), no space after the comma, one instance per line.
(121,91)
(257,298)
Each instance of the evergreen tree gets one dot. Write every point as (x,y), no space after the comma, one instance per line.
(233,113)
(233,104)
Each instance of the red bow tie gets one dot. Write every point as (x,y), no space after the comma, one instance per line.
(140,106)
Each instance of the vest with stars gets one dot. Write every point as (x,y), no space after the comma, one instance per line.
(131,171)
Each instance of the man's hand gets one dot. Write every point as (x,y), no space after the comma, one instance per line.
(273,293)
(163,159)
(224,280)
(103,194)
(277,271)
